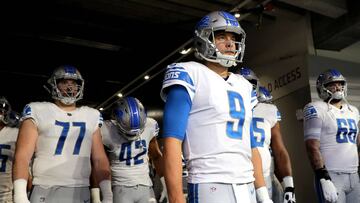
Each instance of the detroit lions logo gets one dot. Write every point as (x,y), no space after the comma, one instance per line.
(26,111)
(310,112)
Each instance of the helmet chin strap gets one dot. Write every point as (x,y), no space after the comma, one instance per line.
(67,100)
(224,60)
(338,95)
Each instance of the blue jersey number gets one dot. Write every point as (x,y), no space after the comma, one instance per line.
(237,111)
(347,131)
(259,133)
(3,158)
(125,152)
(64,134)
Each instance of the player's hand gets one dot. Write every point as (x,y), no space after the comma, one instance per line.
(164,191)
(20,195)
(289,195)
(107,195)
(262,195)
(329,190)
(328,187)
(95,195)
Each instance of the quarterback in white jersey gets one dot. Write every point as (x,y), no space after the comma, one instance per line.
(267,133)
(65,140)
(8,136)
(208,114)
(331,136)
(130,139)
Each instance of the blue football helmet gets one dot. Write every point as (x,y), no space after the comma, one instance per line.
(325,79)
(204,39)
(5,110)
(264,95)
(248,74)
(130,117)
(66,72)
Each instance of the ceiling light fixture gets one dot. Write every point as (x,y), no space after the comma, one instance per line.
(185,51)
(146,77)
(120,95)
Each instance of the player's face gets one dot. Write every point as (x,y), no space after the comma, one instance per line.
(225,42)
(335,87)
(68,87)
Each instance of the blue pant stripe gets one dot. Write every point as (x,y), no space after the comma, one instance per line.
(196,193)
(193,193)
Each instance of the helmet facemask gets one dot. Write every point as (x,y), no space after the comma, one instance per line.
(204,41)
(264,95)
(328,92)
(334,93)
(250,76)
(63,90)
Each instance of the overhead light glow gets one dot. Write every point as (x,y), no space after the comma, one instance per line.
(237,15)
(146,77)
(101,109)
(120,95)
(185,51)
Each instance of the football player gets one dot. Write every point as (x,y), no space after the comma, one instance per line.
(266,127)
(8,136)
(130,138)
(331,138)
(208,115)
(65,140)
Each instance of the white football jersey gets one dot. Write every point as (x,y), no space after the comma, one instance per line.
(217,142)
(8,138)
(129,161)
(265,116)
(337,131)
(63,147)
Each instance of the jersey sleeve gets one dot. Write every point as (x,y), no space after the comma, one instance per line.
(29,112)
(278,114)
(154,127)
(105,133)
(179,74)
(312,122)
(176,113)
